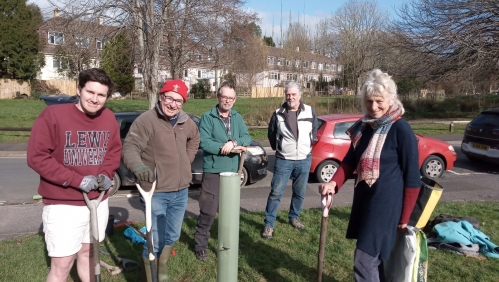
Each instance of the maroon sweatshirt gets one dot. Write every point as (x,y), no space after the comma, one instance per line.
(65,145)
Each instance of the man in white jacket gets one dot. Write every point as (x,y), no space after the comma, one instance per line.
(292,130)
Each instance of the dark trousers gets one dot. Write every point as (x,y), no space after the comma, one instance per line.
(208,207)
(367,268)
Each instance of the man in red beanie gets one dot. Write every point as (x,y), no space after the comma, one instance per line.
(161,145)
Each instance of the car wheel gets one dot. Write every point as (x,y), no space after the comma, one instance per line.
(325,171)
(433,167)
(116,185)
(244,177)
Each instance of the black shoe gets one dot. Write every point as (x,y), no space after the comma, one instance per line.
(202,255)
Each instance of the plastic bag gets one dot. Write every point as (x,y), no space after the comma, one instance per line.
(408,260)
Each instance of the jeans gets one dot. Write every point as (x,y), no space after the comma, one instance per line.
(283,171)
(168,209)
(367,268)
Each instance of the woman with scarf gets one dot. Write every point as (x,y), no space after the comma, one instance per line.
(384,152)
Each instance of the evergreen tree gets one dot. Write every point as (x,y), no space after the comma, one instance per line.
(117,61)
(268,41)
(20,46)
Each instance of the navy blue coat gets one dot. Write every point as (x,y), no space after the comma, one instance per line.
(376,210)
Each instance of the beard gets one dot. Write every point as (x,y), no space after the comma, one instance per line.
(292,104)
(225,107)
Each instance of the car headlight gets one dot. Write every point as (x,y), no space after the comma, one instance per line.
(256,150)
(451,148)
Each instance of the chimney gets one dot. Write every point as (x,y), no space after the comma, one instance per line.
(281,46)
(57,13)
(101,20)
(297,49)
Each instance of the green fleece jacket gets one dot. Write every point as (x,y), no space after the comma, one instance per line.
(214,136)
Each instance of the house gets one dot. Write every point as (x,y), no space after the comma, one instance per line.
(285,65)
(71,44)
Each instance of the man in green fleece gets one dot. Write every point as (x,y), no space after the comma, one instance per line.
(221,129)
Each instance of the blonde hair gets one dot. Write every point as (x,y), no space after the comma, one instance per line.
(379,83)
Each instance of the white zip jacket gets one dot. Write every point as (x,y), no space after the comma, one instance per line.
(282,139)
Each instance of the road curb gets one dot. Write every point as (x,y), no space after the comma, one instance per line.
(12,154)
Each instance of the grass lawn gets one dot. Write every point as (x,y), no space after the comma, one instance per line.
(290,256)
(256,112)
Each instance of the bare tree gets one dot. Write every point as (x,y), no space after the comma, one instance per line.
(297,35)
(322,40)
(166,33)
(355,31)
(457,38)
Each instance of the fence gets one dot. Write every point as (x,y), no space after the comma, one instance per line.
(9,88)
(262,92)
(62,86)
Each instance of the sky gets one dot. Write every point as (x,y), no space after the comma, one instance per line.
(308,11)
(269,11)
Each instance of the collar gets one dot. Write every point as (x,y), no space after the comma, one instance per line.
(220,114)
(284,107)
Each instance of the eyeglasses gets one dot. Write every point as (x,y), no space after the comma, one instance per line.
(229,99)
(170,100)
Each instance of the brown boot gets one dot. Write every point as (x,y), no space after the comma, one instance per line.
(163,266)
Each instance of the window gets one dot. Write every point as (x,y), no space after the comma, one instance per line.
(328,66)
(305,64)
(99,44)
(275,75)
(207,74)
(56,63)
(340,68)
(289,76)
(313,65)
(320,66)
(199,74)
(334,68)
(82,42)
(270,60)
(56,38)
(340,128)
(210,58)
(198,57)
(186,74)
(288,63)
(325,78)
(280,62)
(297,63)
(310,78)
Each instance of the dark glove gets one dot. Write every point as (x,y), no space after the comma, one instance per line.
(88,183)
(104,182)
(144,173)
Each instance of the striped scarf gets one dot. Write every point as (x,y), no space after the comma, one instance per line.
(368,167)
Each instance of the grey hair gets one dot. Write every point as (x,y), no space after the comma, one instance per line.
(379,83)
(225,84)
(292,84)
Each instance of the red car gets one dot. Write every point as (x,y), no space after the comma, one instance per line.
(435,156)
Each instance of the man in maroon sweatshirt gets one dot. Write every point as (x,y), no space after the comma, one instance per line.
(69,147)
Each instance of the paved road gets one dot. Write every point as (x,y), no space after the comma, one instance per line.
(467,181)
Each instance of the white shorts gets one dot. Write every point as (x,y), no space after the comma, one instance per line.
(67,227)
